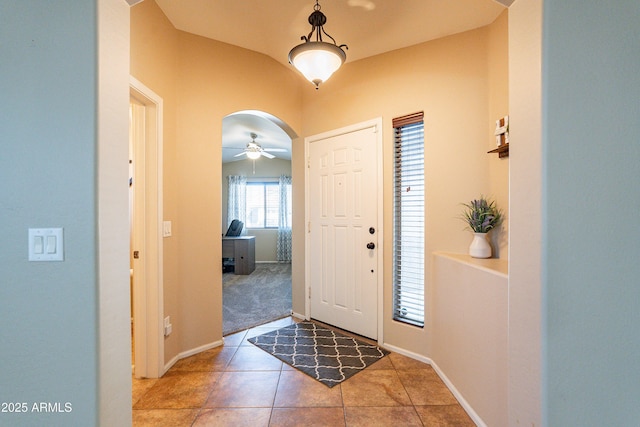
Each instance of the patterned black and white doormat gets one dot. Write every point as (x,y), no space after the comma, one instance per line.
(321,353)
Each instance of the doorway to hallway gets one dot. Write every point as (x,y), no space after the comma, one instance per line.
(146,230)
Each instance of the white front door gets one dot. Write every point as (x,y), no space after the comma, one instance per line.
(343,227)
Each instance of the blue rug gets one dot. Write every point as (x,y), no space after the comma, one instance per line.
(328,356)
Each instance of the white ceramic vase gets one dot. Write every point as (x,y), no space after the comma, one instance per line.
(480,247)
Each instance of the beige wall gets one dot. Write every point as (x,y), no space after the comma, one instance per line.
(454,82)
(499,107)
(154,49)
(201,81)
(470,323)
(266,239)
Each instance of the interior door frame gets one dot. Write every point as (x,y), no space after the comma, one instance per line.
(148,294)
(375,123)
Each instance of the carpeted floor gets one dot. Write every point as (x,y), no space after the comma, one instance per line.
(257,298)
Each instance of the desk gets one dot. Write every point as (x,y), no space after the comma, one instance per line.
(243,250)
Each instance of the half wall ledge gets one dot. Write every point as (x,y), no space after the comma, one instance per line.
(497,266)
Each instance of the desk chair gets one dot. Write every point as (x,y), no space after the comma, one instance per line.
(234,230)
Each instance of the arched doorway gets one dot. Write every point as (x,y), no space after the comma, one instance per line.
(256,190)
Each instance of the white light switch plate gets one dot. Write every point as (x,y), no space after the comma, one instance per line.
(166,229)
(46,244)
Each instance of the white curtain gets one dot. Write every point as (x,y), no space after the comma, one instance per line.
(284,221)
(237,199)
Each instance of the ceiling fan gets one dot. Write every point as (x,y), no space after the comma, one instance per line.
(254,150)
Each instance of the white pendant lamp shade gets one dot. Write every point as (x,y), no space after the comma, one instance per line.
(317,61)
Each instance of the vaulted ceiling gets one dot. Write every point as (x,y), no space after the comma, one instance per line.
(368,27)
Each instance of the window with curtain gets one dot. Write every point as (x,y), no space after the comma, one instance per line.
(408,219)
(265,205)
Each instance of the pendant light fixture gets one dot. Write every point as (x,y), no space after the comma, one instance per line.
(317,60)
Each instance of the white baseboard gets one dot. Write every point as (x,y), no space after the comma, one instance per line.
(191,352)
(410,354)
(463,402)
(465,405)
(298,316)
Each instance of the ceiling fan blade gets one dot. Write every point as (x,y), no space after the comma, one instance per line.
(267,155)
(240,154)
(276,150)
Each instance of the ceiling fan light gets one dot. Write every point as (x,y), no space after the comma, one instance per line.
(253,154)
(317,61)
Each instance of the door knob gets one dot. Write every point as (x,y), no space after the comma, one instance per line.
(371,245)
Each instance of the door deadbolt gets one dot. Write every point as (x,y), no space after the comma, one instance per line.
(136,254)
(371,245)
(372,230)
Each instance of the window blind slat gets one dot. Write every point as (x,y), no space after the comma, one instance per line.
(408,243)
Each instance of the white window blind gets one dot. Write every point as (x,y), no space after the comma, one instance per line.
(263,204)
(408,239)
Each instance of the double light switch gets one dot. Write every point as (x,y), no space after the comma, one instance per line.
(46,244)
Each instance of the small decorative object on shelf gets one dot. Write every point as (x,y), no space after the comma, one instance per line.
(481,216)
(502,137)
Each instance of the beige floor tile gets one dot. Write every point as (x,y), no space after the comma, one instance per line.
(401,362)
(236,417)
(404,416)
(307,417)
(384,363)
(426,388)
(239,384)
(234,340)
(139,386)
(254,332)
(444,416)
(179,390)
(281,323)
(296,389)
(268,327)
(374,388)
(163,417)
(244,390)
(251,358)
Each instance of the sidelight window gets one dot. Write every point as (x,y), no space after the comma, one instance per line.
(408,220)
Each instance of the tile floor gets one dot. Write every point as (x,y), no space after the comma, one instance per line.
(240,385)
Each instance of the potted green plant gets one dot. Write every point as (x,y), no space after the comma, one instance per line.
(481,216)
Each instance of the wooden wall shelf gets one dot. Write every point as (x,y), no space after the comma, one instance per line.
(503,151)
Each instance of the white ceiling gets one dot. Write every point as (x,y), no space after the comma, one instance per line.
(368,27)
(271,133)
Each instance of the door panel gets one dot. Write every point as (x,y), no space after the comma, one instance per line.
(343,206)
